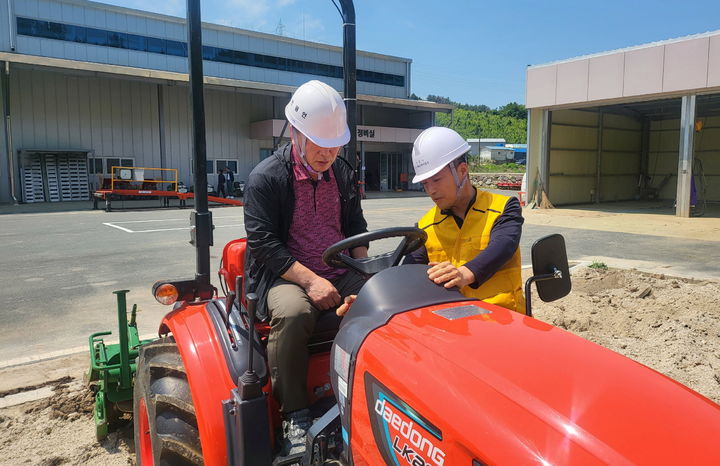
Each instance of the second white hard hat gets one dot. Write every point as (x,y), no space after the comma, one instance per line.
(434,148)
(318,111)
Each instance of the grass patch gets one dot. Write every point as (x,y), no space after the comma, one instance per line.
(598,265)
(477,166)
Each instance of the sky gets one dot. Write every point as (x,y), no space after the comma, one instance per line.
(473,52)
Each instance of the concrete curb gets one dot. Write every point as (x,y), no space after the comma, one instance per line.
(56,354)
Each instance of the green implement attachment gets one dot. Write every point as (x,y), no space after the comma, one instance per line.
(112,369)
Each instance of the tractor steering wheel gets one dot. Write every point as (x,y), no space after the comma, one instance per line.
(413,238)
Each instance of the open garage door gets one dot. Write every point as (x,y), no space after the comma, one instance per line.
(631,152)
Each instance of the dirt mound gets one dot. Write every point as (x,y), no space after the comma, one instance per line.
(67,403)
(60,430)
(667,323)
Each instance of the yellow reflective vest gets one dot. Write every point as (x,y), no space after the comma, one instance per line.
(447,242)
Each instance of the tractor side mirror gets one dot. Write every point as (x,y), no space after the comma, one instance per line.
(550,270)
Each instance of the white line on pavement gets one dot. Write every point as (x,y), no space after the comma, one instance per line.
(118,227)
(158,220)
(127,230)
(182,228)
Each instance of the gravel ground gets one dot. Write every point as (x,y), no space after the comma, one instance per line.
(669,324)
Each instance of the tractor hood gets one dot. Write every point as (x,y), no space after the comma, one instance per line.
(458,381)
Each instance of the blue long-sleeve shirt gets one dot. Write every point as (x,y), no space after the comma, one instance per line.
(504,240)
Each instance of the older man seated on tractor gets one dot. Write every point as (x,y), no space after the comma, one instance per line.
(299,201)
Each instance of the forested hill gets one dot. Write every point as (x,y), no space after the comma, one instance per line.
(480,121)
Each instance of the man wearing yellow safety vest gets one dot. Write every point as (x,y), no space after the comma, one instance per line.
(473,235)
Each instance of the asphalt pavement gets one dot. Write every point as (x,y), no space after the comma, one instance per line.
(61,264)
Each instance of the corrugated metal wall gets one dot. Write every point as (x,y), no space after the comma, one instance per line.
(112,117)
(120,118)
(228,115)
(620,157)
(663,155)
(573,155)
(707,150)
(574,139)
(4,27)
(4,165)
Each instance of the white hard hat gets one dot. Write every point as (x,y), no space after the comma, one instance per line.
(433,149)
(318,112)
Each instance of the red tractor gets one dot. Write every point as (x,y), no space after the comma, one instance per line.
(416,374)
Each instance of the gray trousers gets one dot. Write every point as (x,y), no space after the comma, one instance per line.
(292,319)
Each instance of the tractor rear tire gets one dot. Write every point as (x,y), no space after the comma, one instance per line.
(166,431)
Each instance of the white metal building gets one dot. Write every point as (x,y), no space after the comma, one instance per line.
(636,123)
(476,144)
(497,154)
(86,86)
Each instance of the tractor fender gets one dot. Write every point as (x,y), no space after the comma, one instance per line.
(207,372)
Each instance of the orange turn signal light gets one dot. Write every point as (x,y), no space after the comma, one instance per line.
(166,294)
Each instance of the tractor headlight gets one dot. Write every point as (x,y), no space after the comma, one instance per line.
(169,292)
(166,293)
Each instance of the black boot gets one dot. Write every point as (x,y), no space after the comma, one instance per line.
(295,426)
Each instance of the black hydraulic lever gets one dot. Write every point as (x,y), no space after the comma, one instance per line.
(249,382)
(239,291)
(229,300)
(246,413)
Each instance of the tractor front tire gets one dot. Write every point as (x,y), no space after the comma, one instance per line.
(166,431)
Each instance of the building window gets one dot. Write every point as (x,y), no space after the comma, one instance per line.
(93,36)
(175,48)
(219,164)
(103,165)
(155,45)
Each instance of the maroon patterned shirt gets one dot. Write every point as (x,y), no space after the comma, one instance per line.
(316,220)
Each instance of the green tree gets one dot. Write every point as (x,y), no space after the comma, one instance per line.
(480,121)
(514,110)
(474,124)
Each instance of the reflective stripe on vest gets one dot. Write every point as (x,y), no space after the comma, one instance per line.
(447,242)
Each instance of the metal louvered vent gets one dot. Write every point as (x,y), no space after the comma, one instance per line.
(51,174)
(54,176)
(32,178)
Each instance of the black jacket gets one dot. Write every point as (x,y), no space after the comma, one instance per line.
(269,204)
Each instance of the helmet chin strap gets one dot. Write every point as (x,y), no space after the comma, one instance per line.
(459,184)
(299,141)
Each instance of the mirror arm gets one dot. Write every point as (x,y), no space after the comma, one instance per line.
(557,273)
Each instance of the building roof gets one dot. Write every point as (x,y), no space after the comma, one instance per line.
(628,49)
(496,148)
(486,140)
(658,70)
